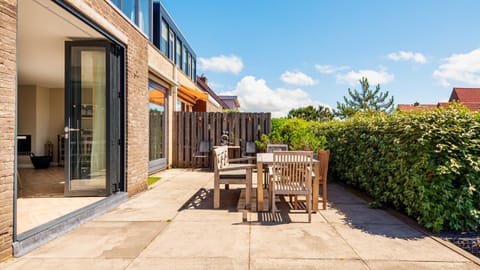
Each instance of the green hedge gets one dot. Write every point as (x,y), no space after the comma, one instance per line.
(426,164)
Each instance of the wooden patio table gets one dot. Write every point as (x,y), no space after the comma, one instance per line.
(267,159)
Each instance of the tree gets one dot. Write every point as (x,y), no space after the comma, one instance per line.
(365,101)
(311,113)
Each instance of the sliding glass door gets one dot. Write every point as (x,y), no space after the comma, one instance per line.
(92,118)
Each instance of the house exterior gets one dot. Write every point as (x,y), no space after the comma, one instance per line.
(215,103)
(470,97)
(232,102)
(98,83)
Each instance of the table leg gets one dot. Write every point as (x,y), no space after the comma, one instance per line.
(259,186)
(324,191)
(316,182)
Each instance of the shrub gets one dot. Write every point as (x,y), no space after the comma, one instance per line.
(426,164)
(299,134)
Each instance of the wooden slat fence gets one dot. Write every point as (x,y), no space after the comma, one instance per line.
(192,127)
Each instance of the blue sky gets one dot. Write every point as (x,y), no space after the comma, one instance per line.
(278,54)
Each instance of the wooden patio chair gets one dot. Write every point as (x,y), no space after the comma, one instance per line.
(250,152)
(226,172)
(291,174)
(201,152)
(276,147)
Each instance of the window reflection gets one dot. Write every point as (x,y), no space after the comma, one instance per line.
(157,102)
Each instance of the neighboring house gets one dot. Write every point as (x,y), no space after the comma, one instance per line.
(416,107)
(470,97)
(215,103)
(98,83)
(232,102)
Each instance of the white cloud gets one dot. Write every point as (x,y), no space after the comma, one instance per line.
(461,68)
(297,78)
(374,77)
(327,69)
(408,56)
(230,64)
(255,96)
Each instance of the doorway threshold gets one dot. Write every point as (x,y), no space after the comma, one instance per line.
(31,239)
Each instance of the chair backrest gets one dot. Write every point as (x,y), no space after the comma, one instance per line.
(276,147)
(323,157)
(292,170)
(250,148)
(204,147)
(220,157)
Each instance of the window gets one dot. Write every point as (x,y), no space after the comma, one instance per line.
(164,41)
(138,11)
(128,8)
(194,69)
(178,53)
(158,101)
(144,16)
(184,59)
(171,45)
(189,64)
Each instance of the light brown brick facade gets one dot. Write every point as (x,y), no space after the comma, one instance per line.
(8,18)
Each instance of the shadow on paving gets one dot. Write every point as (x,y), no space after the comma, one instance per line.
(203,199)
(352,209)
(233,200)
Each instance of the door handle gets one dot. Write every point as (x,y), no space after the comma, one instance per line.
(67,129)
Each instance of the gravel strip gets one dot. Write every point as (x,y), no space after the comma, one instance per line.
(467,241)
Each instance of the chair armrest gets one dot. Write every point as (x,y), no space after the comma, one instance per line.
(232,167)
(233,160)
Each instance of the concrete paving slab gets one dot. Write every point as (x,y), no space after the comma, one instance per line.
(209,216)
(338,194)
(304,264)
(299,241)
(102,240)
(395,242)
(189,263)
(402,265)
(200,240)
(160,212)
(70,264)
(356,214)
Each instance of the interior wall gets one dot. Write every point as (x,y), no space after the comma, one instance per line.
(26,111)
(57,112)
(42,120)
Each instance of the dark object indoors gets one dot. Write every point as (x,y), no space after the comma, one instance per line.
(40,162)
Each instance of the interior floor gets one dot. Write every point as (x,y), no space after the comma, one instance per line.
(41,197)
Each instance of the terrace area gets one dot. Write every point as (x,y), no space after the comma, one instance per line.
(173,226)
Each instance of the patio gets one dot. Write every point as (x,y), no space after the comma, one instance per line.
(173,226)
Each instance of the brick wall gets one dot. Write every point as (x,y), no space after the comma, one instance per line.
(137,88)
(8,82)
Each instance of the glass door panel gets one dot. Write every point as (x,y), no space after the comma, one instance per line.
(157,128)
(85,129)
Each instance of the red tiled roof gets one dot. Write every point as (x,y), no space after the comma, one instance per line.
(465,95)
(443,104)
(413,107)
(473,106)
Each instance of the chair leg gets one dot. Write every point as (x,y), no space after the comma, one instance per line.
(309,207)
(216,195)
(248,191)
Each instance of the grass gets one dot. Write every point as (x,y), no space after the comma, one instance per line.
(152,180)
